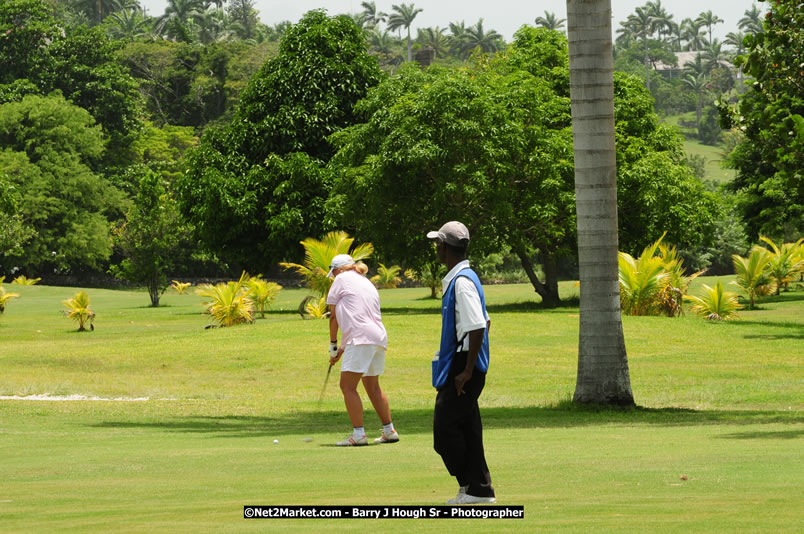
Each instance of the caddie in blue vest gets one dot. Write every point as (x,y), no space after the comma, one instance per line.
(459,369)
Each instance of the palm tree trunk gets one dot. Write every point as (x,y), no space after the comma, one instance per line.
(410,47)
(647,65)
(602,362)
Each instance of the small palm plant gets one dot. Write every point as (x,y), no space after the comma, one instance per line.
(229,302)
(642,280)
(263,292)
(180,287)
(386,277)
(430,276)
(22,280)
(78,310)
(671,297)
(752,274)
(715,304)
(318,256)
(316,308)
(785,262)
(5,297)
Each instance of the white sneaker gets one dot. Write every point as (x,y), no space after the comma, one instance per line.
(391,437)
(352,442)
(459,496)
(471,499)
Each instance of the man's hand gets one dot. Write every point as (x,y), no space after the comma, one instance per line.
(462,379)
(333,349)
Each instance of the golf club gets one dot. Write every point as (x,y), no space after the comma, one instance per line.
(321,397)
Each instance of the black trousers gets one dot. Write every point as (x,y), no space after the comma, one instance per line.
(458,430)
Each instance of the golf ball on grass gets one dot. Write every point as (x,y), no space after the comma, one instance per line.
(276,441)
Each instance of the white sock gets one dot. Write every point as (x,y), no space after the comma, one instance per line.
(358,432)
(387,429)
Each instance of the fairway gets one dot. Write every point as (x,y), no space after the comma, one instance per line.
(715,445)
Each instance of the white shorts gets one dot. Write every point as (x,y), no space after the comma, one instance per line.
(368,360)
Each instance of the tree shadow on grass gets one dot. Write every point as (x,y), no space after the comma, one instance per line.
(420,421)
(784,434)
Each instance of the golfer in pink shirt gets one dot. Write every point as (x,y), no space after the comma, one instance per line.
(354,306)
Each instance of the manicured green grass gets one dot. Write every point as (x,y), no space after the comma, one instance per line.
(713,154)
(720,404)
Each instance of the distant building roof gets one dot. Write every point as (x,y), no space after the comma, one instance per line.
(684,58)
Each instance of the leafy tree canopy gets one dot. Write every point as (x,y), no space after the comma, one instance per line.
(491,145)
(256,187)
(48,147)
(770,180)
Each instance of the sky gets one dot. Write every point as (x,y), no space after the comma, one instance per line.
(504,16)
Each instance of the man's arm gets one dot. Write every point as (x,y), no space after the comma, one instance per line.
(475,342)
(334,353)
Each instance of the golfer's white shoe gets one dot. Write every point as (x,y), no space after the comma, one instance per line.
(390,437)
(471,499)
(352,442)
(461,493)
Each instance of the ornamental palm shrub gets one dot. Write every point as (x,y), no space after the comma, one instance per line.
(715,303)
(785,262)
(752,274)
(430,276)
(5,296)
(263,292)
(316,308)
(78,310)
(180,287)
(22,280)
(229,302)
(387,277)
(671,297)
(318,256)
(642,281)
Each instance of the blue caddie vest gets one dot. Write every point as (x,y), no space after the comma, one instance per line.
(449,339)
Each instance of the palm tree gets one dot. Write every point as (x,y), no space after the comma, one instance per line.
(434,38)
(715,304)
(78,310)
(5,296)
(243,13)
(370,14)
(178,19)
(97,10)
(691,32)
(662,19)
(752,274)
(785,263)
(642,25)
(735,39)
(262,292)
(550,21)
(752,21)
(476,37)
(129,24)
(457,37)
(602,362)
(708,19)
(387,277)
(214,25)
(229,303)
(698,83)
(714,54)
(318,255)
(403,18)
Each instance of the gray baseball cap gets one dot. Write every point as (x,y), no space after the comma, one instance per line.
(341,260)
(452,233)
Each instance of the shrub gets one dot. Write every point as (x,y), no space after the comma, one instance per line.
(78,310)
(5,297)
(715,303)
(752,274)
(386,277)
(22,280)
(229,302)
(180,287)
(262,292)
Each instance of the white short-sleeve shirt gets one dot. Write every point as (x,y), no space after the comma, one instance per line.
(357,308)
(468,309)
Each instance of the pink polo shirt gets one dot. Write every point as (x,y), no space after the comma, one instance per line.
(357,308)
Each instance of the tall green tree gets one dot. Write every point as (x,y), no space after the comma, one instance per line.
(256,187)
(153,235)
(13,230)
(709,19)
(769,181)
(603,376)
(49,146)
(751,21)
(403,17)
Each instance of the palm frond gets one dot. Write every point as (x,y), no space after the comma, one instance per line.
(715,303)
